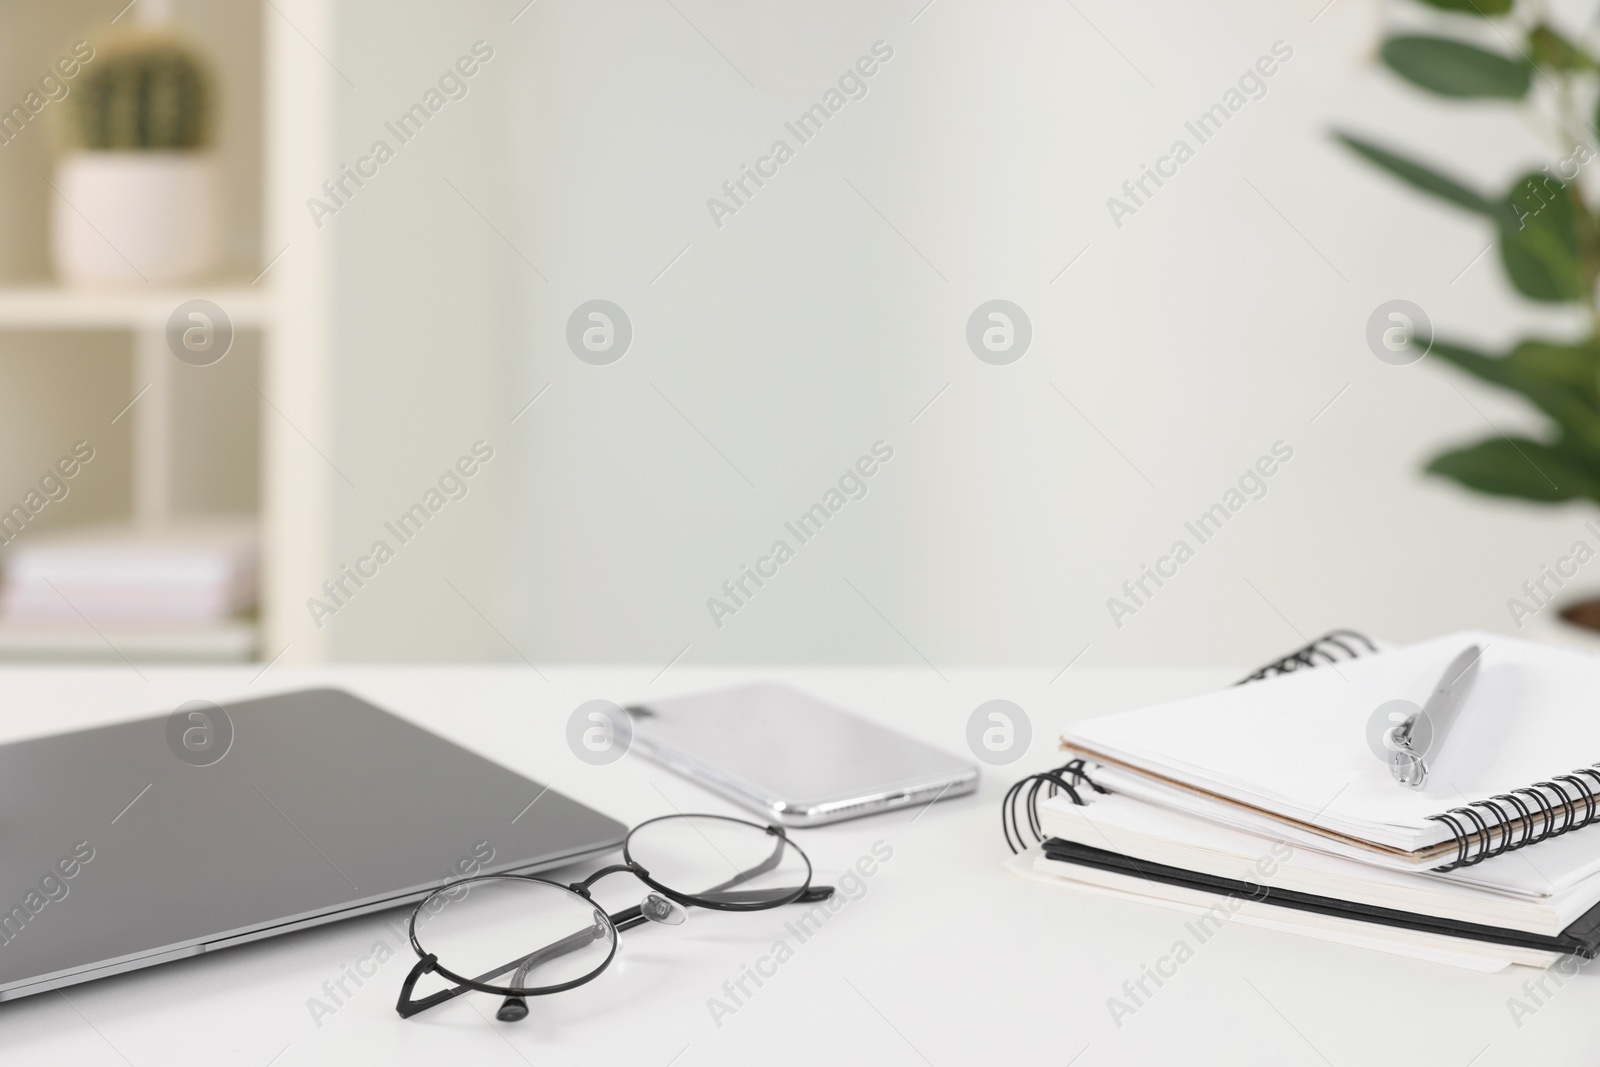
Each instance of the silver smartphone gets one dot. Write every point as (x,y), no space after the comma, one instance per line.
(793,758)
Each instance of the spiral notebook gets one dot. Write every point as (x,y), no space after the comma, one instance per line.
(1287,756)
(1506,944)
(1353,929)
(1508,892)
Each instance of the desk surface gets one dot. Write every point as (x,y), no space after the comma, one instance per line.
(942,959)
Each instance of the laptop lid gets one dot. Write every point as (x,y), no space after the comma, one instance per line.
(141,842)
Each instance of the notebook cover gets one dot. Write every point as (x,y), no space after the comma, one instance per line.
(1581,938)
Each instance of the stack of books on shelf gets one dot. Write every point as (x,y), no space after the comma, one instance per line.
(1275,803)
(172,589)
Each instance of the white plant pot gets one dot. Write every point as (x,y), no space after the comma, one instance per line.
(135,217)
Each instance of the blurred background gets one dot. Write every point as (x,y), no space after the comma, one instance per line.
(375,323)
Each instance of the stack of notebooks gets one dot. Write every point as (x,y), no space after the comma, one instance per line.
(197,573)
(1265,804)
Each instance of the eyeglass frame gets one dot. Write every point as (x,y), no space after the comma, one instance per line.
(514,1008)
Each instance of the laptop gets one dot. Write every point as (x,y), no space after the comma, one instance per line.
(143,842)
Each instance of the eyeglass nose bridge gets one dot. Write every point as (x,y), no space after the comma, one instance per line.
(582,888)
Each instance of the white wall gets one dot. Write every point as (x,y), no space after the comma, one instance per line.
(421,327)
(1219,319)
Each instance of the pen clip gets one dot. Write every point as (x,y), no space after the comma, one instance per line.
(1405,736)
(1409,769)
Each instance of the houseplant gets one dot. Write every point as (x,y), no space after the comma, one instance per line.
(1546,235)
(139,190)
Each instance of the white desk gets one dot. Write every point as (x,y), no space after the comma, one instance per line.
(946,959)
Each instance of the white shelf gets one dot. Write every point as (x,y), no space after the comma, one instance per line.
(53,307)
(228,642)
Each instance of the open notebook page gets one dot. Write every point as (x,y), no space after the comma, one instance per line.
(1295,746)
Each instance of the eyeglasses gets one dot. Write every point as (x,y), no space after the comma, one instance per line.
(517,936)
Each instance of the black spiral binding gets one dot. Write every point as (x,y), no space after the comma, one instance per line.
(1067,778)
(1484,829)
(1328,647)
(1331,647)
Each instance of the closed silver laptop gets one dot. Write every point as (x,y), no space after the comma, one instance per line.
(134,844)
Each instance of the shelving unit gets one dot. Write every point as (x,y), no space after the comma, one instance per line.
(281,128)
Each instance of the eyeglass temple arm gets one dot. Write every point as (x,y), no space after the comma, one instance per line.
(408,1007)
(761,868)
(626,919)
(523,964)
(513,1008)
(811,895)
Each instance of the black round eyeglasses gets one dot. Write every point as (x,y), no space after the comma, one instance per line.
(517,936)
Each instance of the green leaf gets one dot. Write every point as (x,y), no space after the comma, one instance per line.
(1569,368)
(1472,7)
(1558,379)
(1420,176)
(1539,240)
(1454,68)
(1517,467)
(1551,49)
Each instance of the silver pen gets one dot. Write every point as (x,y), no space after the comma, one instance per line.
(1411,743)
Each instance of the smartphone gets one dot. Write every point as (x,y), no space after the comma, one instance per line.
(792,758)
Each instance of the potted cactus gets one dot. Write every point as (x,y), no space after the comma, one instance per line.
(138,189)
